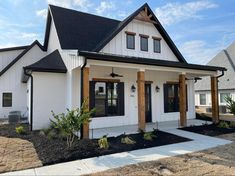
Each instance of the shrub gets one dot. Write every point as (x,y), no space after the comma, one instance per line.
(127,140)
(223,124)
(232,124)
(149,136)
(20,130)
(230,104)
(69,123)
(103,142)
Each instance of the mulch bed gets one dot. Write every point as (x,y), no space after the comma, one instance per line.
(209,130)
(51,151)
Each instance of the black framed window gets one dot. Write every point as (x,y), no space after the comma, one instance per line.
(171,97)
(130,41)
(202,98)
(107,98)
(143,43)
(7,99)
(157,45)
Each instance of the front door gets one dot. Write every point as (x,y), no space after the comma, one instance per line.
(148,105)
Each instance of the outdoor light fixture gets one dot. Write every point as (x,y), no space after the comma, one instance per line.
(157,89)
(133,88)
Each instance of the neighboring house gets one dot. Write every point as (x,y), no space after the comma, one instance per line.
(226,84)
(131,71)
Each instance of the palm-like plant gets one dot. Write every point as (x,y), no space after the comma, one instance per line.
(230,104)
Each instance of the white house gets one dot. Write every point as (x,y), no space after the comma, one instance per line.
(131,71)
(226,84)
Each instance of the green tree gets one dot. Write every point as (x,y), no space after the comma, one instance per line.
(230,104)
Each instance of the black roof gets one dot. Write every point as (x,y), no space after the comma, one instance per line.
(50,63)
(87,32)
(146,61)
(21,55)
(13,48)
(78,30)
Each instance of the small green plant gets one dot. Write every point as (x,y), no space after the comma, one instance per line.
(127,140)
(149,136)
(20,130)
(103,142)
(230,104)
(232,124)
(223,124)
(69,123)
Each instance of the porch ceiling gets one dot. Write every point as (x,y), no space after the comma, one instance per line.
(194,70)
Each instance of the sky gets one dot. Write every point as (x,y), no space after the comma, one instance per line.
(199,28)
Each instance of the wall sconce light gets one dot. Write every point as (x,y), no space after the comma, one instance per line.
(157,89)
(133,88)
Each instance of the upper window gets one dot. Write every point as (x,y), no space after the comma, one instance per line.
(130,40)
(171,97)
(143,42)
(156,45)
(7,100)
(107,98)
(202,98)
(223,97)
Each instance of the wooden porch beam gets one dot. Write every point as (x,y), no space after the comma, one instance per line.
(182,100)
(141,99)
(214,99)
(86,97)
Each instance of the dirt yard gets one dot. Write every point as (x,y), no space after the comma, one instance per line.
(216,161)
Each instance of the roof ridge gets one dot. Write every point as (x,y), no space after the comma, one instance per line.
(13,48)
(229,59)
(77,11)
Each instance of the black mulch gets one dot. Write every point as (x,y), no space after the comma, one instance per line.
(209,130)
(52,151)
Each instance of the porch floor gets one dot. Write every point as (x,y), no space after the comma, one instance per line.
(130,129)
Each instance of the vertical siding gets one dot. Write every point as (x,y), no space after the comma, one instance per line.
(118,44)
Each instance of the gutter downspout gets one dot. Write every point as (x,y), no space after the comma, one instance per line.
(31,99)
(222,74)
(81,82)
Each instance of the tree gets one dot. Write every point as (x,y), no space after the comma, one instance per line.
(230,104)
(70,122)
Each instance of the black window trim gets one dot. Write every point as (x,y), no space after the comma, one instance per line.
(3,104)
(157,39)
(130,34)
(120,113)
(176,98)
(144,37)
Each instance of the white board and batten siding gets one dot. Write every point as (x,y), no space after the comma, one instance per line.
(6,57)
(118,44)
(11,82)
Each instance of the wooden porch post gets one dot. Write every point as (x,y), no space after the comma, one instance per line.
(214,99)
(182,100)
(86,97)
(141,99)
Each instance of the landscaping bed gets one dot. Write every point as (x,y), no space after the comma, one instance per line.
(210,130)
(55,150)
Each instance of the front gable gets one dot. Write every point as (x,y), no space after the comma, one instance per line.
(141,22)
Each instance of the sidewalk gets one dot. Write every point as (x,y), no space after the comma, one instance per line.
(97,164)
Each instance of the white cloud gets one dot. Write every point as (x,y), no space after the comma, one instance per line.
(104,6)
(42,13)
(83,5)
(175,12)
(198,51)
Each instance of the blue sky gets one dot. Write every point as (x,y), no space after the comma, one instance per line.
(199,28)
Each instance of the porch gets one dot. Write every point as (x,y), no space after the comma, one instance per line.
(130,129)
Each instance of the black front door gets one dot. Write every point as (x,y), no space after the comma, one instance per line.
(148,105)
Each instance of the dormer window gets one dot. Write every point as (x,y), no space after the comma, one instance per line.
(144,42)
(130,40)
(157,44)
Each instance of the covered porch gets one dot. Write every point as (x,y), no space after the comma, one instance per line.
(171,86)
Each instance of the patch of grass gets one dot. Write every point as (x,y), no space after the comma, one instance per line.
(149,136)
(232,124)
(223,124)
(20,130)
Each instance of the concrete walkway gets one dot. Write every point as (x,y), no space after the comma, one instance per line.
(96,164)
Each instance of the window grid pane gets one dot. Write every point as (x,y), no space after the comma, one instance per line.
(202,99)
(223,97)
(130,41)
(7,100)
(144,43)
(157,46)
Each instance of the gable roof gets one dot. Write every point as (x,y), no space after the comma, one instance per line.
(226,58)
(50,63)
(21,55)
(87,32)
(78,30)
(13,48)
